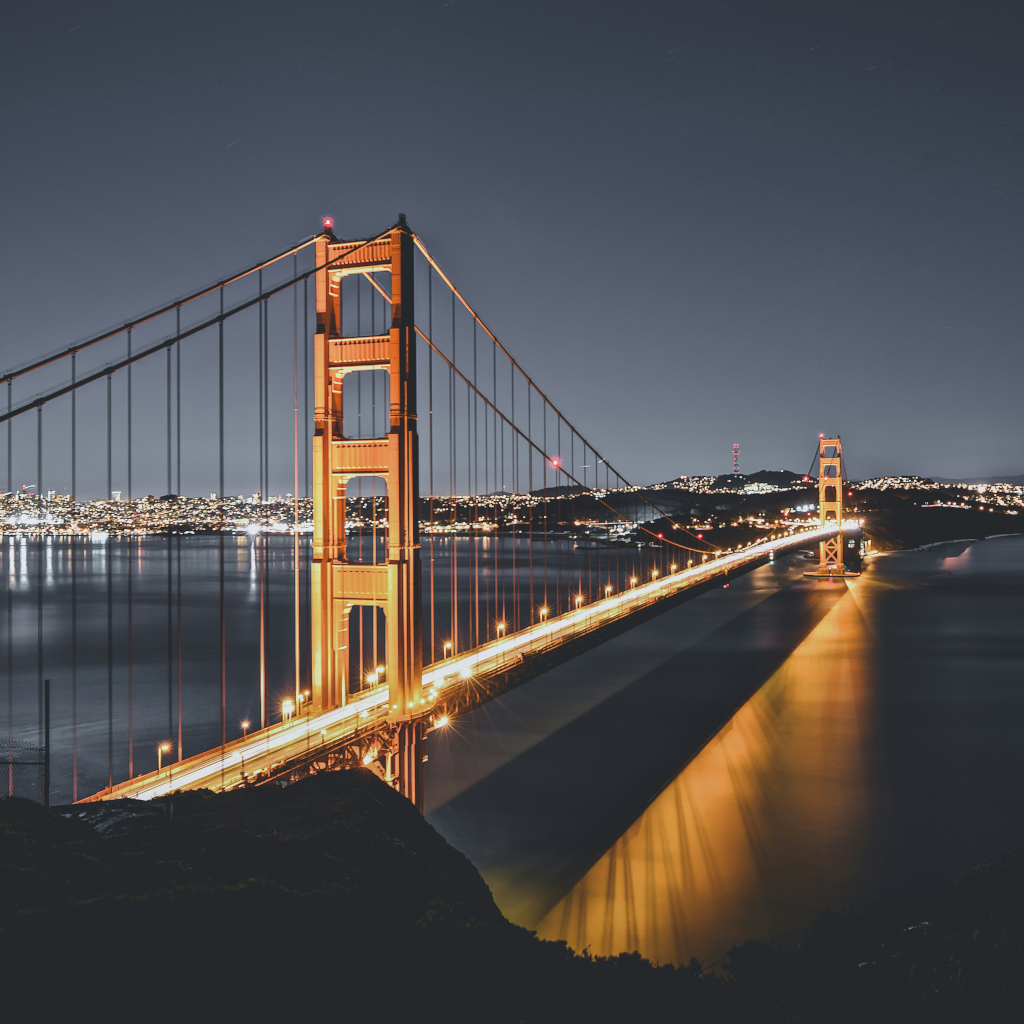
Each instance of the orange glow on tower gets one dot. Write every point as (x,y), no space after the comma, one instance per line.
(830,506)
(338,585)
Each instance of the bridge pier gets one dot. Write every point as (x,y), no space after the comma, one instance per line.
(403,764)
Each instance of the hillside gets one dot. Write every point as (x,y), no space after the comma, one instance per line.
(333,896)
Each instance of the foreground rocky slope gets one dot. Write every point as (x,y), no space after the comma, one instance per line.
(334,896)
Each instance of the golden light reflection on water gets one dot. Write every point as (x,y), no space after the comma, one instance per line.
(765,828)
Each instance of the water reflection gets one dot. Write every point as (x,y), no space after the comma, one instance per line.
(763,829)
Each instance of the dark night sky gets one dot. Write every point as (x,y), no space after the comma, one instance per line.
(694,223)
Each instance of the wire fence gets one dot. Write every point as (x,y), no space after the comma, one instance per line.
(24,770)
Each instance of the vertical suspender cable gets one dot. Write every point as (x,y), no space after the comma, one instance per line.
(266,394)
(490,546)
(170,571)
(39,567)
(259,319)
(110,607)
(129,408)
(131,760)
(74,596)
(430,432)
(472,449)
(515,446)
(529,480)
(453,485)
(266,454)
(131,763)
(307,591)
(544,489)
(295,481)
(177,402)
(220,525)
(498,559)
(374,538)
(305,374)
(168,420)
(260,543)
(258,540)
(10,626)
(177,490)
(178,632)
(361,672)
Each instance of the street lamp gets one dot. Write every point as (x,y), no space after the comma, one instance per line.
(161,749)
(501,629)
(632,581)
(654,574)
(245,729)
(579,600)
(674,567)
(543,613)
(287,709)
(447,647)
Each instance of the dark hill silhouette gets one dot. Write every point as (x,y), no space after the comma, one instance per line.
(334,897)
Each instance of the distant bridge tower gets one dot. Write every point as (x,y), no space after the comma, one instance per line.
(338,585)
(736,458)
(830,504)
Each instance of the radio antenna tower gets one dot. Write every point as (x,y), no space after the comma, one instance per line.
(736,458)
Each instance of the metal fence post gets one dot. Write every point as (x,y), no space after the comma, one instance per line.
(46,753)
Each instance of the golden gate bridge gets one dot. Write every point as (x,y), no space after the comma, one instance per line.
(465,537)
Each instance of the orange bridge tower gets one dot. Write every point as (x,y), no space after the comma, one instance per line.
(830,504)
(341,585)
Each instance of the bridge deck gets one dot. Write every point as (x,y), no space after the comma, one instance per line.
(228,766)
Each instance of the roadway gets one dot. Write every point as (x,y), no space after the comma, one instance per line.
(231,765)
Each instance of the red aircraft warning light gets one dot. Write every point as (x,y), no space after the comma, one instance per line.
(556,462)
(328,223)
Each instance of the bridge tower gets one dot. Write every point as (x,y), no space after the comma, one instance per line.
(830,504)
(339,584)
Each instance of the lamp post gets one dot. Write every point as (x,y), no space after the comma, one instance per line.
(608,590)
(287,707)
(245,728)
(543,613)
(501,629)
(161,749)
